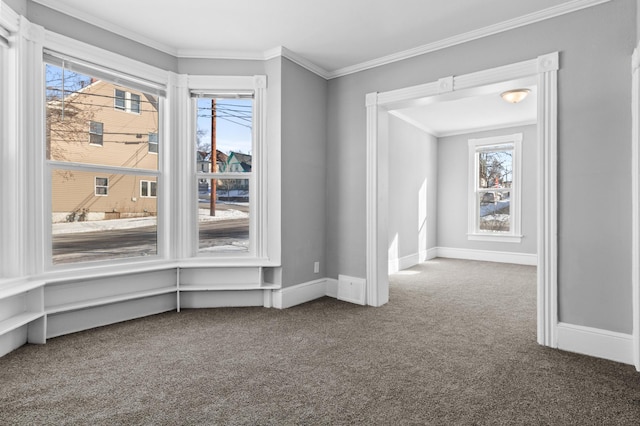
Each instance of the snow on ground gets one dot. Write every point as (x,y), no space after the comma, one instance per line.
(137,222)
(203,215)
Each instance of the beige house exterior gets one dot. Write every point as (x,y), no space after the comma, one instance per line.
(108,125)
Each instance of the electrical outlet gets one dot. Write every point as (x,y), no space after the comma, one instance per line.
(316,267)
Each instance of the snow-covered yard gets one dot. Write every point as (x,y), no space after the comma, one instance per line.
(108,225)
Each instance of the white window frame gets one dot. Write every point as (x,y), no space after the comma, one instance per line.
(258,228)
(105,187)
(515,232)
(135,75)
(149,184)
(29,239)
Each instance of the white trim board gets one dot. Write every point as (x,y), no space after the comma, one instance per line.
(488,256)
(532,18)
(305,292)
(404,262)
(635,203)
(595,342)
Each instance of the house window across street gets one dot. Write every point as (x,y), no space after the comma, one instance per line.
(148,188)
(95,133)
(102,186)
(126,101)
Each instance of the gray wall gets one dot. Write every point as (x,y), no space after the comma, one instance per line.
(80,30)
(304,169)
(412,189)
(594,131)
(453,184)
(19,6)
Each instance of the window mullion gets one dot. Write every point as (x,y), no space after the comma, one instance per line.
(102,168)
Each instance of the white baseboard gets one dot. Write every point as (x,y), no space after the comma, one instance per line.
(428,254)
(405,262)
(302,293)
(595,342)
(332,287)
(352,289)
(488,256)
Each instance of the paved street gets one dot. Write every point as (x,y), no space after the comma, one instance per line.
(135,242)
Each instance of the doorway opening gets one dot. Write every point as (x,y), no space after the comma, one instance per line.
(542,70)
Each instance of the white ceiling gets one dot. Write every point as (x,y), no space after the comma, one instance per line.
(332,34)
(333,37)
(473,112)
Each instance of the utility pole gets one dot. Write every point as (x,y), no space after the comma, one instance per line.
(214,159)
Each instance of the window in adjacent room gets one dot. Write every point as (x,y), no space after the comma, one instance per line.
(494,188)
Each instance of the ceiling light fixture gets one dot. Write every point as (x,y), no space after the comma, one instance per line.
(515,96)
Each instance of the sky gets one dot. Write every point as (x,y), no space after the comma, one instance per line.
(233,124)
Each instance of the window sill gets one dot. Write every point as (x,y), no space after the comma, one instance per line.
(498,238)
(133,267)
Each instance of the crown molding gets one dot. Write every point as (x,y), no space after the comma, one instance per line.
(531,18)
(298,59)
(109,26)
(220,54)
(9,19)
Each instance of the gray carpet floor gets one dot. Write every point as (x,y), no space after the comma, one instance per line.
(455,345)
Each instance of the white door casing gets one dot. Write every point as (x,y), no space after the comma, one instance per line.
(544,69)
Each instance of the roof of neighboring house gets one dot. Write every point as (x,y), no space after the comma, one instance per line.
(221,156)
(243,159)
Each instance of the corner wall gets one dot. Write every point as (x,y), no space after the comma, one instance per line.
(304,174)
(413,169)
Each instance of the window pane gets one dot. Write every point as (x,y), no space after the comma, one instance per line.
(153,142)
(223,225)
(495,211)
(76,103)
(227,124)
(135,103)
(114,224)
(495,169)
(119,99)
